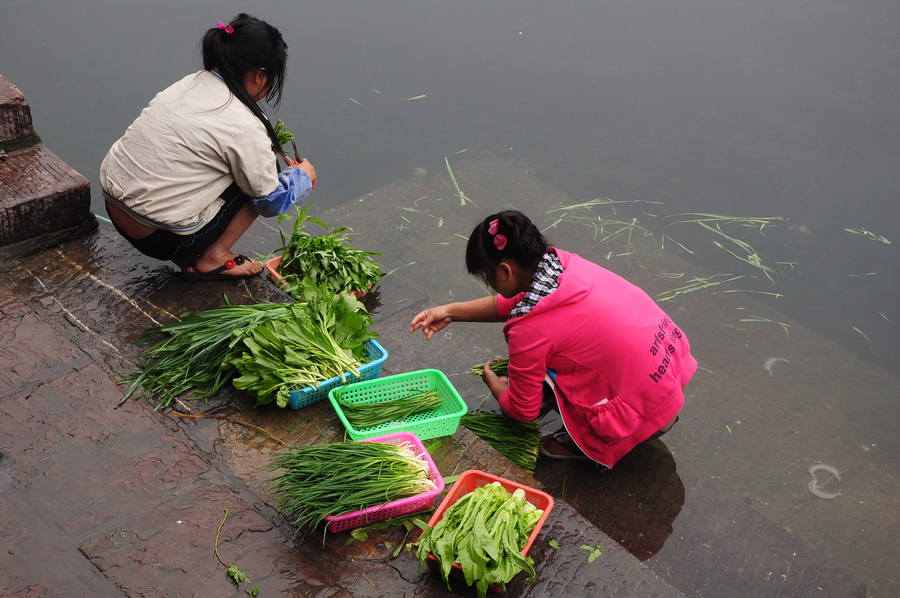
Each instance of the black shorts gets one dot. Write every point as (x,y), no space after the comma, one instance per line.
(184,250)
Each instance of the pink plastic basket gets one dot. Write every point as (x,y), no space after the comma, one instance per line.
(397,508)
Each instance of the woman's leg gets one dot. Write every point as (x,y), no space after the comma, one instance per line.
(220,250)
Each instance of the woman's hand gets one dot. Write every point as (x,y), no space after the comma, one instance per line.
(431,320)
(304,165)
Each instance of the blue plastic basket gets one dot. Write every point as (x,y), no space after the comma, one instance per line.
(375,354)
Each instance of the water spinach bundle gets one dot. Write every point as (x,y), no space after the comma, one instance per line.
(367,415)
(332,479)
(520,442)
(327,259)
(321,337)
(273,348)
(483,532)
(193,353)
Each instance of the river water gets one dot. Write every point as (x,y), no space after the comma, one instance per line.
(757,110)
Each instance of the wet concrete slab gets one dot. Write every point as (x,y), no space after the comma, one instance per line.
(128,499)
(124,500)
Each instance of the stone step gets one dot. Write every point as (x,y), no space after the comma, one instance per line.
(43,200)
(16,128)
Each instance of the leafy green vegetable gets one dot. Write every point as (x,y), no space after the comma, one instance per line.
(375,413)
(326,259)
(236,576)
(233,574)
(483,532)
(192,354)
(273,348)
(282,134)
(341,477)
(595,552)
(324,337)
(520,442)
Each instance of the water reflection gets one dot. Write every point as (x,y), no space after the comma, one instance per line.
(635,503)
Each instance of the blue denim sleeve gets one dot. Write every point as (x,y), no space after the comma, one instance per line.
(294,185)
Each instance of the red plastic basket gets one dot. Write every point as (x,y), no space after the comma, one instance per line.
(396,508)
(471,479)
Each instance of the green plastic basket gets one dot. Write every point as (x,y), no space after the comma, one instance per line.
(442,421)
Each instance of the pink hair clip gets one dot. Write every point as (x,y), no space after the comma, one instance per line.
(228,28)
(499,240)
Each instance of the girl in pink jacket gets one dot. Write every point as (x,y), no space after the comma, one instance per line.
(615,362)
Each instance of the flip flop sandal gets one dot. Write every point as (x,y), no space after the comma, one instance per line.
(560,446)
(191,274)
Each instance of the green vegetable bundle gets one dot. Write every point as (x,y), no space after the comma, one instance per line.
(324,337)
(519,441)
(498,367)
(326,259)
(341,477)
(273,348)
(282,134)
(483,532)
(193,355)
(370,414)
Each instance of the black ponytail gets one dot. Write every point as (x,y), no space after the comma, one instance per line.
(244,45)
(505,235)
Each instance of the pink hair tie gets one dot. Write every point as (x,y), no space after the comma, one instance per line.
(499,240)
(228,28)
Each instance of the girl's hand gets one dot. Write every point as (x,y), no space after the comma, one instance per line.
(430,321)
(496,384)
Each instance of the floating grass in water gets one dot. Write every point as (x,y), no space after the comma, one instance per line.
(598,201)
(663,274)
(768,321)
(865,337)
(697,217)
(868,234)
(717,220)
(752,258)
(695,285)
(462,196)
(776,295)
(600,225)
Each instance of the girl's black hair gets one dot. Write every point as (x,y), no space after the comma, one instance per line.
(252,44)
(525,245)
